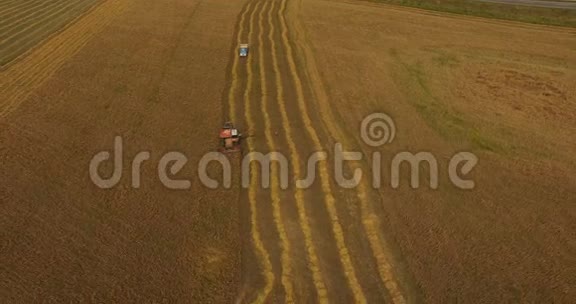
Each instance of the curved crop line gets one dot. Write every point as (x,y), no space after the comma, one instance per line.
(6,3)
(312,257)
(38,19)
(275,186)
(22,15)
(252,190)
(234,84)
(48,51)
(39,15)
(21,78)
(370,221)
(7,9)
(24,74)
(329,200)
(15,43)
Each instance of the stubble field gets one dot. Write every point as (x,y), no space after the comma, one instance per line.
(165,75)
(27,23)
(502,90)
(151,74)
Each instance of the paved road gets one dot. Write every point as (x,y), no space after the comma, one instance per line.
(539,3)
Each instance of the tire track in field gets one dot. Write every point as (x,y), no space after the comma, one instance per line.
(263,254)
(312,257)
(285,256)
(370,221)
(329,200)
(36,66)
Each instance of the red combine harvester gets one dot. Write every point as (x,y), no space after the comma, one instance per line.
(230,138)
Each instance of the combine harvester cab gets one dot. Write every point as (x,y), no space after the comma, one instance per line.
(243,51)
(230,138)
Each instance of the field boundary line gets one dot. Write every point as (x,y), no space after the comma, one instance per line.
(462,17)
(329,200)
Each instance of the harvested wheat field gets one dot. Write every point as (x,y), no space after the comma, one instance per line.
(26,23)
(505,91)
(165,75)
(151,74)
